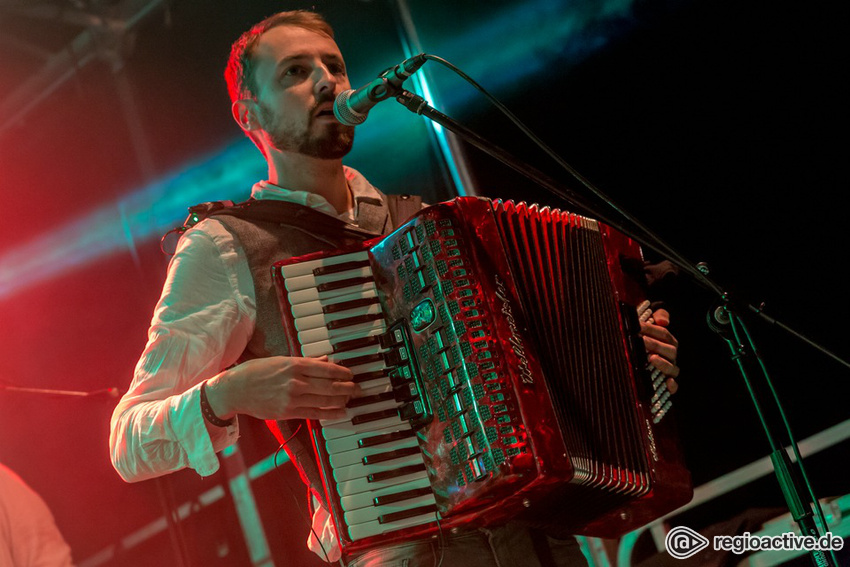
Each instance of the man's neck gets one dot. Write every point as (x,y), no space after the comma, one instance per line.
(320,176)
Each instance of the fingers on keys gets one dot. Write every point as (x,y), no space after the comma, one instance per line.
(324,391)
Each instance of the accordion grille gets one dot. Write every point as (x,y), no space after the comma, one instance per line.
(559,262)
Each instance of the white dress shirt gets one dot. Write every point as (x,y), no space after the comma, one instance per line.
(201,325)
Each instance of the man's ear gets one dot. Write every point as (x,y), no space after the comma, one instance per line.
(245,113)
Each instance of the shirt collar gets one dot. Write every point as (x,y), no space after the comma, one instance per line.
(361,190)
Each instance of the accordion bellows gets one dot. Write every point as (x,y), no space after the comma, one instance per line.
(496,345)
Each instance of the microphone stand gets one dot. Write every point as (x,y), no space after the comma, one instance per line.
(724,315)
(105,392)
(727,323)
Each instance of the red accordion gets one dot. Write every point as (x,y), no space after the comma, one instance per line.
(502,376)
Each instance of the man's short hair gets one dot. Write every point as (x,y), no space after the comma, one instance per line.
(240,69)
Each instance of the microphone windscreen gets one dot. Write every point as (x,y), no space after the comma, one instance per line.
(344,112)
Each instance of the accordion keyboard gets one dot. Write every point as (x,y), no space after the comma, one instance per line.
(379,473)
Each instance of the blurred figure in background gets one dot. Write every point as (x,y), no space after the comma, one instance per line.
(28,533)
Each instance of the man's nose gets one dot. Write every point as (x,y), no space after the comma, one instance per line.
(325,80)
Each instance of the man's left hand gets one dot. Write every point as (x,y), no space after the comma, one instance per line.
(662,347)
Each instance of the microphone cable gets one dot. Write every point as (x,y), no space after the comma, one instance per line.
(305,516)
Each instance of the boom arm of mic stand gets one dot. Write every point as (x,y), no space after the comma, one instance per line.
(419,105)
(106,392)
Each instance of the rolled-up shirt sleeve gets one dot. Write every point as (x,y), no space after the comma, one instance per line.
(201,325)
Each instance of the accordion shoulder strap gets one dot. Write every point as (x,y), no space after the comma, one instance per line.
(292,214)
(402,207)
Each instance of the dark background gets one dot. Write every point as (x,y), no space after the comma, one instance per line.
(721,125)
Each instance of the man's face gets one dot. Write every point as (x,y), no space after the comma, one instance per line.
(298,75)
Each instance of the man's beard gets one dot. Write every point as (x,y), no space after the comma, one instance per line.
(334,141)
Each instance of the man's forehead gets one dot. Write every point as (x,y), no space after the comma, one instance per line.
(282,42)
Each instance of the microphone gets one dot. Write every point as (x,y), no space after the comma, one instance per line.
(352,106)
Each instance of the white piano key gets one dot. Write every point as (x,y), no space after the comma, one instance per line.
(374,384)
(373,366)
(354,331)
(316,307)
(351,442)
(361,471)
(309,281)
(340,357)
(313,294)
(322,319)
(381,387)
(356,456)
(367,353)
(367,499)
(368,529)
(362,485)
(351,413)
(321,348)
(345,428)
(302,268)
(362,515)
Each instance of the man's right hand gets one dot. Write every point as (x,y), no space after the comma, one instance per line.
(282,387)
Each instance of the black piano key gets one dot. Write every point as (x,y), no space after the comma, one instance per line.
(350,282)
(395,473)
(350,321)
(352,304)
(342,267)
(390,455)
(366,400)
(399,496)
(385,438)
(395,516)
(354,344)
(367,376)
(358,360)
(374,416)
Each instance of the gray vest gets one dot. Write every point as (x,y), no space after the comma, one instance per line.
(297,232)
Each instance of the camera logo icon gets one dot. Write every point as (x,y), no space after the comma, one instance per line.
(682,542)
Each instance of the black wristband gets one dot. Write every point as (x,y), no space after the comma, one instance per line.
(208,412)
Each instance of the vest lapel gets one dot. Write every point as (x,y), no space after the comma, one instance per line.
(373,216)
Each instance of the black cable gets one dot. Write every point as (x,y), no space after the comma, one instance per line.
(308,519)
(441,542)
(652,240)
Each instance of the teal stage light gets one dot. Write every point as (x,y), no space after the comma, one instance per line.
(520,42)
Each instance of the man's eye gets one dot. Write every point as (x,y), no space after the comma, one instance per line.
(337,69)
(294,71)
